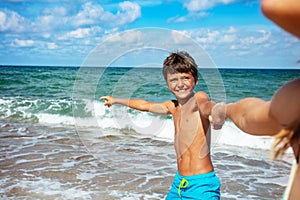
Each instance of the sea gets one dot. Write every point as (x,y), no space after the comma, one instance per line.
(59,141)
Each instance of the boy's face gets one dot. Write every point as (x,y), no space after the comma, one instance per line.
(181,85)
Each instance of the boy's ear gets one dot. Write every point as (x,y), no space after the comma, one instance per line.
(197,81)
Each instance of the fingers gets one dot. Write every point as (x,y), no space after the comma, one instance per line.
(107,100)
(103,98)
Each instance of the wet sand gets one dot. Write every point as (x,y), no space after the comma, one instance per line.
(42,162)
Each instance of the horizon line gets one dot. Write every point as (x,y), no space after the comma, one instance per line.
(154,67)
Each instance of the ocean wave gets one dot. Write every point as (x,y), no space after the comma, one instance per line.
(92,114)
(31,110)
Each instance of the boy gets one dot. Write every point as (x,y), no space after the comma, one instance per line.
(195,178)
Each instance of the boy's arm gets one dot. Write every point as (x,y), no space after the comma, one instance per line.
(138,104)
(204,103)
(212,111)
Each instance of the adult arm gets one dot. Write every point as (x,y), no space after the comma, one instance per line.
(259,117)
(253,116)
(285,13)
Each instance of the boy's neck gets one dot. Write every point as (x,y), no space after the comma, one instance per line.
(182,102)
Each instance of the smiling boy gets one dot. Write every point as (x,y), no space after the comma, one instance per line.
(195,177)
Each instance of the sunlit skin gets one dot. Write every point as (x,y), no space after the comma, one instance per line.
(258,117)
(190,113)
(191,125)
(182,86)
(285,13)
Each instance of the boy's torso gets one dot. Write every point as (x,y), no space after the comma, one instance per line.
(192,142)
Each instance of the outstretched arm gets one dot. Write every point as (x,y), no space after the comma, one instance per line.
(253,116)
(138,104)
(258,117)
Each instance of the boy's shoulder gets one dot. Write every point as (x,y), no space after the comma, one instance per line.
(201,95)
(172,104)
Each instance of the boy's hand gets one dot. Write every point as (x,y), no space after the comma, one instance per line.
(108,100)
(218,116)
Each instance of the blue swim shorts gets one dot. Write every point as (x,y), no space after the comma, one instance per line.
(201,186)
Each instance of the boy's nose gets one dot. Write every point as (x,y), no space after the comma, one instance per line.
(180,83)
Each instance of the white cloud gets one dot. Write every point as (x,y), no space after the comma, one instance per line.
(80,33)
(207,36)
(57,19)
(231,30)
(196,5)
(22,43)
(129,12)
(52,45)
(90,14)
(134,36)
(93,13)
(228,38)
(11,21)
(261,37)
(192,15)
(248,46)
(232,38)
(177,19)
(53,19)
(199,9)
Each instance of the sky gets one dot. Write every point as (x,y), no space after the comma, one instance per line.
(234,33)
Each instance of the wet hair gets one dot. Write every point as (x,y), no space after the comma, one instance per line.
(180,62)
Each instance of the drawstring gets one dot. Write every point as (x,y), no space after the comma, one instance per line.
(183,184)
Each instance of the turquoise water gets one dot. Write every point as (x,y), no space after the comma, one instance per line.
(28,91)
(55,132)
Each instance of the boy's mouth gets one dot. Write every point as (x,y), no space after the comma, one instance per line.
(181,90)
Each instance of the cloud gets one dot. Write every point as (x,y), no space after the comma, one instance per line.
(90,14)
(248,45)
(44,27)
(196,5)
(133,36)
(11,21)
(192,15)
(199,9)
(80,33)
(75,28)
(233,36)
(51,19)
(93,13)
(260,37)
(22,43)
(52,45)
(57,18)
(129,12)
